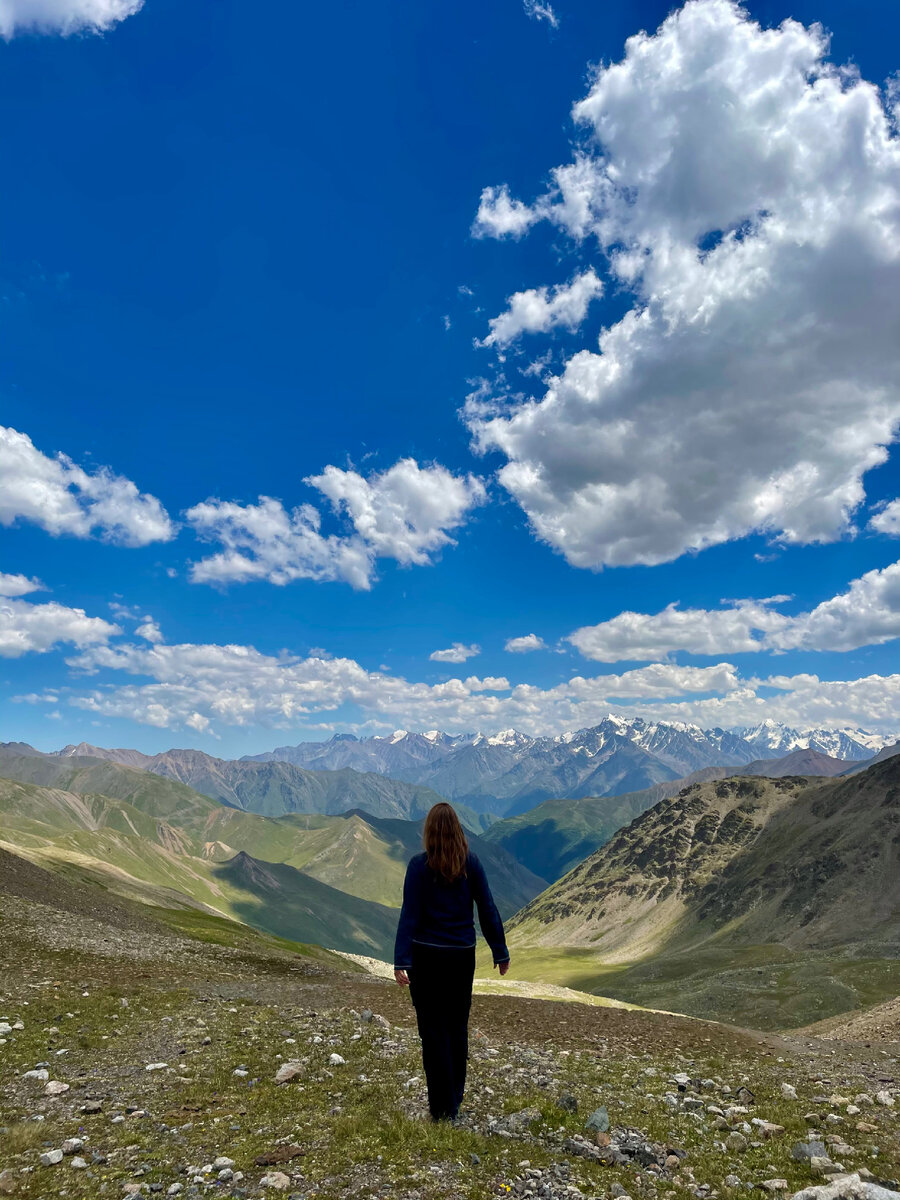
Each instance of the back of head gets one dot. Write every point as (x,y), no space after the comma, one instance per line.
(446,847)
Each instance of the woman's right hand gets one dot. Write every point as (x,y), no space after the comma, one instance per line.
(402,978)
(503,967)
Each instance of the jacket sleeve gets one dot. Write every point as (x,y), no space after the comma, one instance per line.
(488,916)
(409,918)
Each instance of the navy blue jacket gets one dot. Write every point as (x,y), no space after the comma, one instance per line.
(437,913)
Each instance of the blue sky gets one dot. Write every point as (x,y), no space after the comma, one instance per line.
(237,252)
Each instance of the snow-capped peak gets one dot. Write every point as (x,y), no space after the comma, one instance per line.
(507,737)
(398,735)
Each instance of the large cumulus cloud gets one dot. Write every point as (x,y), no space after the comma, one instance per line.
(748,193)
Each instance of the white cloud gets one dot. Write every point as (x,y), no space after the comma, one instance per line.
(499,215)
(18,585)
(866,614)
(26,627)
(457,653)
(540,309)
(62,498)
(403,513)
(540,10)
(748,192)
(524,644)
(735,629)
(887,520)
(237,685)
(63,16)
(150,631)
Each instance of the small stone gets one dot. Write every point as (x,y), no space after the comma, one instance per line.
(598,1121)
(732,1181)
(885,1099)
(72,1145)
(277,1180)
(804,1151)
(41,1075)
(92,1106)
(51,1157)
(156,1066)
(289,1071)
(222,1161)
(788,1091)
(673,1162)
(55,1088)
(774,1185)
(474,1160)
(240,1072)
(78,1163)
(175,1189)
(568,1102)
(336,1060)
(7,1183)
(736,1141)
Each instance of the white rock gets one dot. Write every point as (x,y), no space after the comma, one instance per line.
(55,1088)
(240,1072)
(79,1164)
(885,1099)
(289,1071)
(72,1145)
(846,1187)
(5,1027)
(222,1161)
(788,1091)
(41,1075)
(174,1189)
(51,1157)
(277,1180)
(156,1066)
(336,1060)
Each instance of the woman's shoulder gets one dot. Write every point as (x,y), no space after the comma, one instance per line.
(418,861)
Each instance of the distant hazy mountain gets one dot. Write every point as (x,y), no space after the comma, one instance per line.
(803,762)
(509,772)
(773,740)
(268,788)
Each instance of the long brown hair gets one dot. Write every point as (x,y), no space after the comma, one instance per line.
(445,842)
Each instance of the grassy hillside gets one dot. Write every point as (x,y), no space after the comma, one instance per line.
(772,896)
(217,1010)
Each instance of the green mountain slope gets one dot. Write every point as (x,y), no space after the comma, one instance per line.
(267,788)
(700,899)
(282,900)
(551,838)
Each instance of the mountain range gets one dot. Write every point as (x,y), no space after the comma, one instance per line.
(331,879)
(267,788)
(509,773)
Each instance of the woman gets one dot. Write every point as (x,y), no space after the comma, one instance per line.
(435,952)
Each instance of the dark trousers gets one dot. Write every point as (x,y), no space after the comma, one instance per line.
(440,983)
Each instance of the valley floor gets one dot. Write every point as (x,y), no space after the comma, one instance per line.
(168,1031)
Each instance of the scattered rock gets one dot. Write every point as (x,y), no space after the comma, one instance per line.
(788,1091)
(336,1060)
(277,1180)
(289,1071)
(847,1187)
(598,1121)
(51,1157)
(55,1088)
(7,1183)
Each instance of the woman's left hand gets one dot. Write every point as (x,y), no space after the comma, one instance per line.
(402,978)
